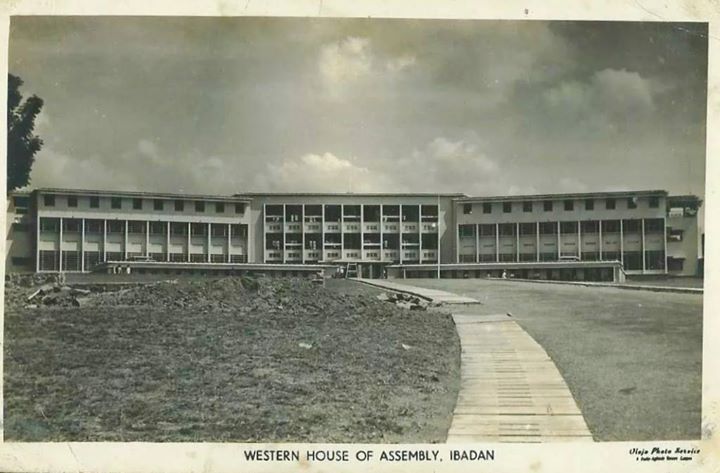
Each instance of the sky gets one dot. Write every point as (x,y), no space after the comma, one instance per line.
(227,105)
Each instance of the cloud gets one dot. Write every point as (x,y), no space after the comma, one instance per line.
(344,62)
(322,173)
(609,98)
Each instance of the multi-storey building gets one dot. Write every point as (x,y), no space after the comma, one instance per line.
(74,230)
(559,236)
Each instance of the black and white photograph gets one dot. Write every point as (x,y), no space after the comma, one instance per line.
(298,230)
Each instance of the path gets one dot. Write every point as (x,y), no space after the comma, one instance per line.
(510,389)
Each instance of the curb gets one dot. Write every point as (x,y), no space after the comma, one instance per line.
(679,290)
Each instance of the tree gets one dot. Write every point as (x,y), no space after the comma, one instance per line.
(22,144)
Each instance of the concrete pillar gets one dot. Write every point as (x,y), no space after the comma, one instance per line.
(600,240)
(382,247)
(37,243)
(104,242)
(497,242)
(147,238)
(284,234)
(622,244)
(517,242)
(125,244)
(229,242)
(559,246)
(82,244)
(400,235)
(642,244)
(209,236)
(167,242)
(187,249)
(322,232)
(665,265)
(579,252)
(537,241)
(477,244)
(60,252)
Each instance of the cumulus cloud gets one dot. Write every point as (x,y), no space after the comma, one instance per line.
(322,173)
(608,98)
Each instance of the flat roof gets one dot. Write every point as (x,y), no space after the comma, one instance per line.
(350,194)
(574,195)
(153,195)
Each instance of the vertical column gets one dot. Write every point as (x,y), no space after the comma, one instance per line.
(600,240)
(400,230)
(622,244)
(477,243)
(642,243)
(579,251)
(559,242)
(284,234)
(187,250)
(382,247)
(207,242)
(665,257)
(37,243)
(167,241)
(362,231)
(517,241)
(82,244)
(420,248)
(60,253)
(104,241)
(263,220)
(497,242)
(537,241)
(147,238)
(125,244)
(322,232)
(228,238)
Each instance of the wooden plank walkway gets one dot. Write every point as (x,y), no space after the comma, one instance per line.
(511,391)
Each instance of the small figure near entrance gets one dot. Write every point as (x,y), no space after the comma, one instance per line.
(504,274)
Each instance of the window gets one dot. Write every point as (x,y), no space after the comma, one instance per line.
(654,225)
(218,230)
(507,207)
(548,228)
(178,228)
(72,201)
(179,205)
(631,226)
(487,208)
(569,205)
(94,226)
(158,228)
(158,204)
(71,225)
(116,202)
(527,206)
(674,235)
(466,231)
(611,226)
(506,229)
(137,204)
(21,201)
(654,202)
(610,204)
(219,207)
(49,200)
(467,209)
(632,202)
(548,206)
(20,227)
(675,264)
(487,229)
(239,208)
(568,227)
(50,225)
(237,230)
(94,202)
(115,226)
(589,226)
(198,229)
(136,227)
(527,229)
(199,206)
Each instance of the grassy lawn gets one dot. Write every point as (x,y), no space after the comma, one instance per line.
(632,359)
(200,361)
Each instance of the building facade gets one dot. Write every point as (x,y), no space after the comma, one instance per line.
(563,236)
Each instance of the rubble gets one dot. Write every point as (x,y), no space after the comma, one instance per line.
(403,300)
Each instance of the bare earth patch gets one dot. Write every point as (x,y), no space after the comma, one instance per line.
(211,360)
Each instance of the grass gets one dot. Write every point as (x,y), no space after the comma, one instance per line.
(205,372)
(632,359)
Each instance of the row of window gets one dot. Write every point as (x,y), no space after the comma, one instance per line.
(652,225)
(50,260)
(568,205)
(632,260)
(138,203)
(71,225)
